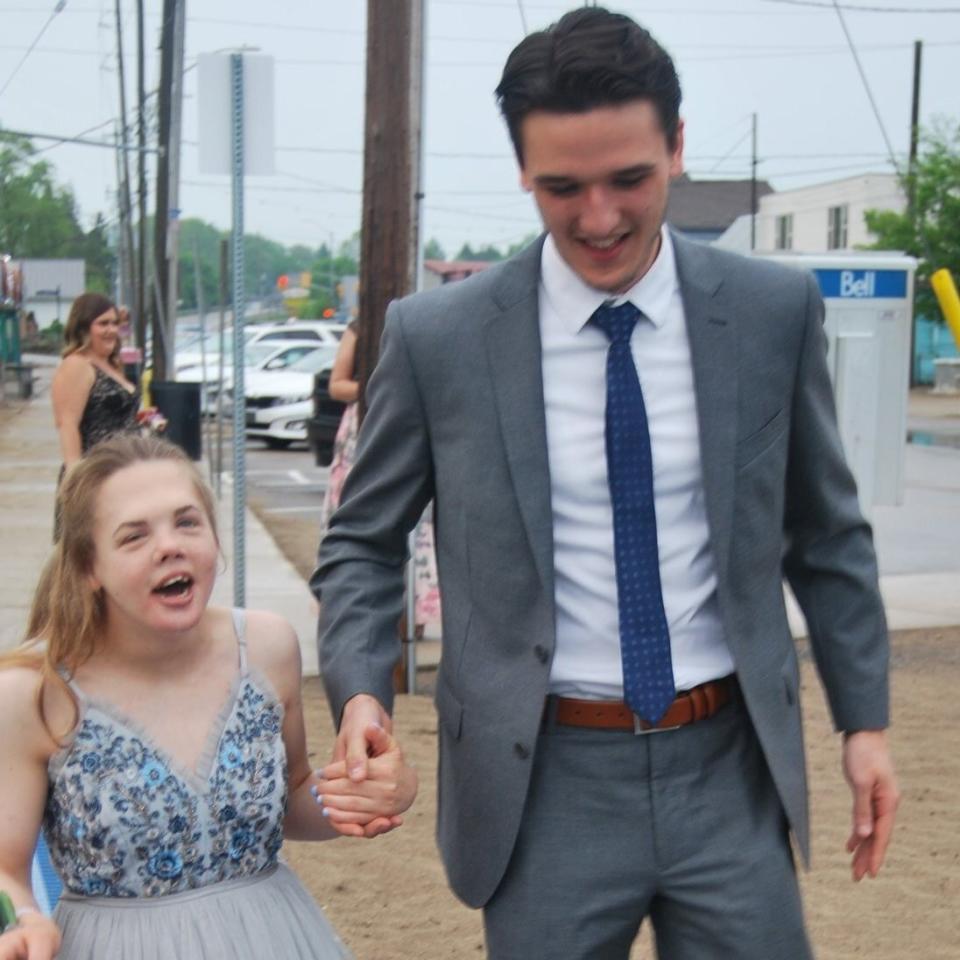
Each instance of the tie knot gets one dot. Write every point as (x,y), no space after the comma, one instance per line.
(617,322)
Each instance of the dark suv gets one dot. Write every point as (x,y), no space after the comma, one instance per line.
(322,426)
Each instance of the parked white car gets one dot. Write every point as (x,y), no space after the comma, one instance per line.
(279,403)
(324,332)
(265,355)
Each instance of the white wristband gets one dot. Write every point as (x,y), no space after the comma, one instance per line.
(23,911)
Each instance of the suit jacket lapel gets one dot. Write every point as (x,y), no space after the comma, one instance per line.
(712,329)
(512,335)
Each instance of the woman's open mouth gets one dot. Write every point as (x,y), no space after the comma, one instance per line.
(177,587)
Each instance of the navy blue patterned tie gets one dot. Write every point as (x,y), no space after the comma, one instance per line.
(644,635)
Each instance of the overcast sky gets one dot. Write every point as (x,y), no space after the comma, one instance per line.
(786,60)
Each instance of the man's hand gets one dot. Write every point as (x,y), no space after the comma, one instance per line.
(353,742)
(868,767)
(388,790)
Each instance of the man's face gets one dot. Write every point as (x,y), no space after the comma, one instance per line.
(600,179)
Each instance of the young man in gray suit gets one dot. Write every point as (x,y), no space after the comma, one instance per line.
(630,439)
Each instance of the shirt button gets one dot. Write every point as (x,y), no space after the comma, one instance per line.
(521,751)
(541,653)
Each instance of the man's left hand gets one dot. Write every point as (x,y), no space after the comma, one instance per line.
(868,767)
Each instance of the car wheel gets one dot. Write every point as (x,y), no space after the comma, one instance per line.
(276,443)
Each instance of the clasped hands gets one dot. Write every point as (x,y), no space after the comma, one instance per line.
(367,785)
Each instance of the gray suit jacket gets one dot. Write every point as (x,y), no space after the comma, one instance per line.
(456,413)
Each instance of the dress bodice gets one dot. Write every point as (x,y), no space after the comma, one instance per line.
(110,409)
(122,819)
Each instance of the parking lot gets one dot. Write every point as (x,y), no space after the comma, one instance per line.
(283,482)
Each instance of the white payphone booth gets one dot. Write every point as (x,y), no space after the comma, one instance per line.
(869,312)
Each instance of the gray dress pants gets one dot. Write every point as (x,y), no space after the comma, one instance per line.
(683,826)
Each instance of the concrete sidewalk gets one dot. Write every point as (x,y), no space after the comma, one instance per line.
(918,543)
(29,463)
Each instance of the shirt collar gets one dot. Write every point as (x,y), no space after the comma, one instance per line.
(575,301)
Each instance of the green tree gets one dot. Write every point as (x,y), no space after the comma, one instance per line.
(931,231)
(489,253)
(433,251)
(38,217)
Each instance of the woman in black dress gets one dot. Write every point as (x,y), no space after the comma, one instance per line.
(92,400)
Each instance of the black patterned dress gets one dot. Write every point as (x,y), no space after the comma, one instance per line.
(110,409)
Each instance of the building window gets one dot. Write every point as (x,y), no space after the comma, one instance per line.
(784,231)
(837,228)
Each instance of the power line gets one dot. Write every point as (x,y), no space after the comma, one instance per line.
(82,133)
(109,144)
(59,6)
(856,8)
(523,17)
(866,85)
(730,151)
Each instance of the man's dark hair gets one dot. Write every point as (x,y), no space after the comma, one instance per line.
(589,58)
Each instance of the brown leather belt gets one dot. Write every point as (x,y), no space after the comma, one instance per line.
(692,705)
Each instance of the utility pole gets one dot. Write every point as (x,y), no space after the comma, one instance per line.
(141,273)
(912,180)
(914,130)
(753,182)
(391,162)
(160,271)
(129,284)
(172,246)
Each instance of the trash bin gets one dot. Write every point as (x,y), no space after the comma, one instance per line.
(180,404)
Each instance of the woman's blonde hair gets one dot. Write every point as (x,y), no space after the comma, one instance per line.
(76,335)
(68,615)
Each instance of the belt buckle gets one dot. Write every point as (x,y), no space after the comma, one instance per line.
(639,731)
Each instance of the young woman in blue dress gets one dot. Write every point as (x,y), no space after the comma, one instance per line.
(159,741)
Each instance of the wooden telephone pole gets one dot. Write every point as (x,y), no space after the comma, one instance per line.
(391,170)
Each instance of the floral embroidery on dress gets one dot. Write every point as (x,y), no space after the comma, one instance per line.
(121,822)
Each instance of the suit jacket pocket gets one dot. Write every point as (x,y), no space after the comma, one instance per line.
(449,708)
(750,447)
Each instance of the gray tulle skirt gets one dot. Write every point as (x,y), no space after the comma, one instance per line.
(267,916)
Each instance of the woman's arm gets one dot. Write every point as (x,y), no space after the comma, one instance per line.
(342,385)
(25,749)
(70,391)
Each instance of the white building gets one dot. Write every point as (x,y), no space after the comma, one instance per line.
(826,216)
(50,287)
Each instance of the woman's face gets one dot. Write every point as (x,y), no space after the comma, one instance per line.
(104,333)
(154,547)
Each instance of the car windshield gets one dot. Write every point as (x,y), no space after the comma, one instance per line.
(316,361)
(256,353)
(210,344)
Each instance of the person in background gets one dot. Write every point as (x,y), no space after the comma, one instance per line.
(159,741)
(92,399)
(344,386)
(631,440)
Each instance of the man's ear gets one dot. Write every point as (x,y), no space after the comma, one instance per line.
(676,159)
(525,182)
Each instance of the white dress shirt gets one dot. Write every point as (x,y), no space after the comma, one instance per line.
(586,662)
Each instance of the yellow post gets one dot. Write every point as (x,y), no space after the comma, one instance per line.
(947,297)
(145,399)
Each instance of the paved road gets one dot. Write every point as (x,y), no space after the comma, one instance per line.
(285,481)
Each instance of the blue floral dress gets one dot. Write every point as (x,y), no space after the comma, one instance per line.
(160,863)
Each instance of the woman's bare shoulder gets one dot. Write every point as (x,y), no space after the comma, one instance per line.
(20,715)
(274,649)
(74,368)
